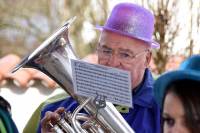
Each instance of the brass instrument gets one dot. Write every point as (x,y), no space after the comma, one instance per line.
(52,57)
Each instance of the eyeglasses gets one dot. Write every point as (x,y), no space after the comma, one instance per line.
(123,55)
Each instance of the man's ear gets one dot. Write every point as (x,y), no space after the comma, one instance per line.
(148,58)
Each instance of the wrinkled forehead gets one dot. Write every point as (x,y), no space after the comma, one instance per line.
(114,39)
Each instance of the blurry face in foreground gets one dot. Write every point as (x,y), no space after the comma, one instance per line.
(173,115)
(125,53)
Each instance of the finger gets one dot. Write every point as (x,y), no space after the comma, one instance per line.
(60,110)
(49,117)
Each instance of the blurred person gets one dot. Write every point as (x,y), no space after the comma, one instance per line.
(125,43)
(7,124)
(178,93)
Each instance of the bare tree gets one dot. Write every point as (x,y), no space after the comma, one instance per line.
(194,26)
(92,12)
(166,29)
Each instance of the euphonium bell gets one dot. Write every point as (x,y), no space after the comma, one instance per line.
(52,57)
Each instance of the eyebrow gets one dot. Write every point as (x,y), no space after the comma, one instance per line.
(104,46)
(121,49)
(168,115)
(126,50)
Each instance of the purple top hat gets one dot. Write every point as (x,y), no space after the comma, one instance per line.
(131,20)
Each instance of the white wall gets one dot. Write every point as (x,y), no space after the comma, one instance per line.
(24,102)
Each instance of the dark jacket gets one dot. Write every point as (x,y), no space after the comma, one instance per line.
(144,117)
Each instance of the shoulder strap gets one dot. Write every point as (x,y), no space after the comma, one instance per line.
(32,124)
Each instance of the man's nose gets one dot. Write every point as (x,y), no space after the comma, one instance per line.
(114,61)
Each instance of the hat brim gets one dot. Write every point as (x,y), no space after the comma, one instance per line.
(165,79)
(152,43)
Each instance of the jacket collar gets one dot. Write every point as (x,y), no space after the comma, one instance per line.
(144,92)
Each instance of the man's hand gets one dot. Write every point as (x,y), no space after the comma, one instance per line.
(50,119)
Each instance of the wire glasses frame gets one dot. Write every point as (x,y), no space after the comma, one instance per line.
(107,53)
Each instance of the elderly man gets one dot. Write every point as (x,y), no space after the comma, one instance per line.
(125,43)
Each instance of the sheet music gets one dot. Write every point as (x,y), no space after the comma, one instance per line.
(91,79)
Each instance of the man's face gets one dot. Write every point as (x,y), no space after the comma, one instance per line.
(125,53)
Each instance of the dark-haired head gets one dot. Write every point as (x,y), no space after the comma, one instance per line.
(187,92)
